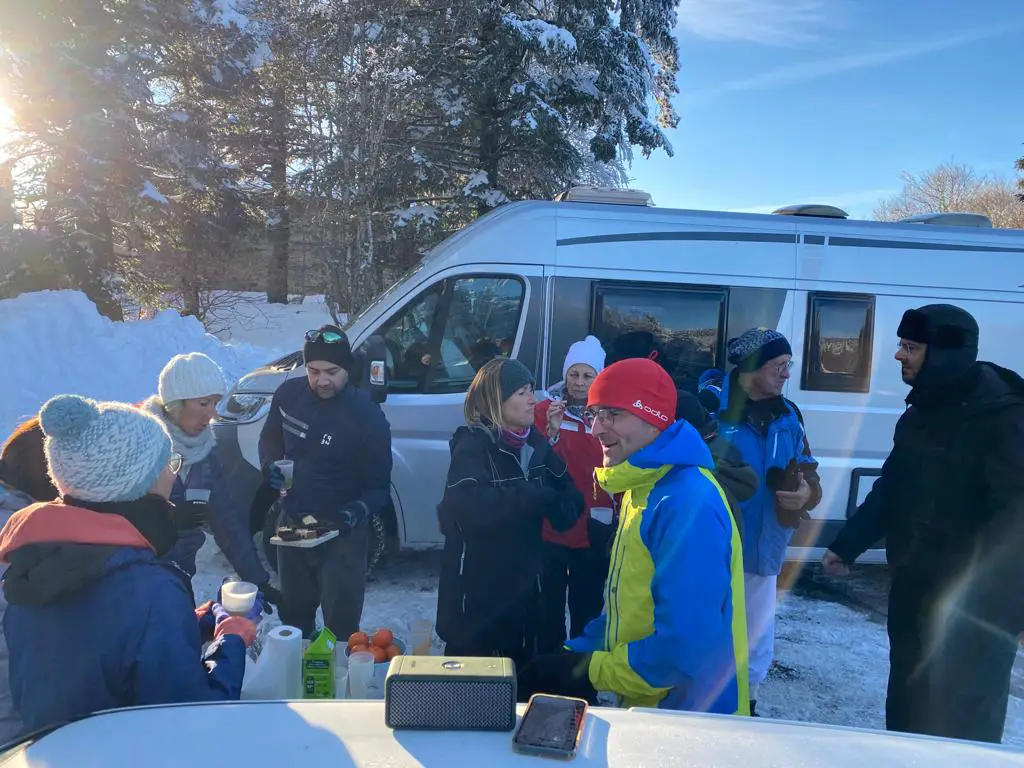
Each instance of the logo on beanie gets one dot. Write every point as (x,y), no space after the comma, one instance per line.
(647,409)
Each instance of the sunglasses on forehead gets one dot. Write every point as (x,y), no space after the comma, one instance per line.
(328,337)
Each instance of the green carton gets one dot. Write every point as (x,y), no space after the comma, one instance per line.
(318,666)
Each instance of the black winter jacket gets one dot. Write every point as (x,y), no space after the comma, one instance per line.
(950,499)
(493,555)
(341,448)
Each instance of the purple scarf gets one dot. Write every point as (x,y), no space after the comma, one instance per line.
(515,440)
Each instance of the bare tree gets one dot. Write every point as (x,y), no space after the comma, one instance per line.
(954,187)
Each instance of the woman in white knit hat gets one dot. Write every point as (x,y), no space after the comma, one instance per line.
(577,559)
(189,390)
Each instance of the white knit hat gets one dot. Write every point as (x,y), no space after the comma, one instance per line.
(589,352)
(189,376)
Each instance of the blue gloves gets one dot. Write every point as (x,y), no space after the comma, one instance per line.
(212,614)
(273,476)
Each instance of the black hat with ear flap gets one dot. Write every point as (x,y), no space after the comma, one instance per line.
(951,334)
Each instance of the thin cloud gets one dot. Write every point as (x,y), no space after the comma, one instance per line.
(813,70)
(767,22)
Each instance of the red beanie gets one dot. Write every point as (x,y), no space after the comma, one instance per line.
(638,386)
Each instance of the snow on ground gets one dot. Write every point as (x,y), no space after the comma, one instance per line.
(832,666)
(56,342)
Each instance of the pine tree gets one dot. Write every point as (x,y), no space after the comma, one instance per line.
(78,84)
(103,94)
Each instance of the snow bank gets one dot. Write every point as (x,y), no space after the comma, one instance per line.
(247,318)
(56,341)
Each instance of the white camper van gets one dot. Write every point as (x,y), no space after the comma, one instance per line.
(532,277)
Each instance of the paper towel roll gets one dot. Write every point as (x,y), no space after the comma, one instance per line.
(277,673)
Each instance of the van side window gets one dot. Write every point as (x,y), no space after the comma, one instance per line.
(481,322)
(407,337)
(687,321)
(838,342)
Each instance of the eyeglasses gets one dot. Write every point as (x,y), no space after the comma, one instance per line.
(906,347)
(605,415)
(328,337)
(781,368)
(175,462)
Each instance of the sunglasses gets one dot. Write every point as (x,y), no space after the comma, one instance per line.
(175,462)
(328,337)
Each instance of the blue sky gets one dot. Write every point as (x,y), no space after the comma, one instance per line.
(796,101)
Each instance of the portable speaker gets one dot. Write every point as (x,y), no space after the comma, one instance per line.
(444,693)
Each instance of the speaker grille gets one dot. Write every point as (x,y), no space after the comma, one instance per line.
(450,705)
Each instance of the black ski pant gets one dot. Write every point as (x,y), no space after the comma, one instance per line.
(949,672)
(580,574)
(332,575)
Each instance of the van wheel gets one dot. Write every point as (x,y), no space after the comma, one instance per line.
(383,538)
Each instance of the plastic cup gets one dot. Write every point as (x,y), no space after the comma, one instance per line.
(360,674)
(287,467)
(238,597)
(421,636)
(340,682)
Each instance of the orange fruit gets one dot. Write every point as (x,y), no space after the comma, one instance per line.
(358,638)
(379,654)
(382,638)
(392,651)
(358,648)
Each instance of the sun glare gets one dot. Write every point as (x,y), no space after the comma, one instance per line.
(6,128)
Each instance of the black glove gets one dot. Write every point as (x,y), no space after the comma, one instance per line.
(191,514)
(351,515)
(566,673)
(272,598)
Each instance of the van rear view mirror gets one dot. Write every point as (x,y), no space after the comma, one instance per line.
(371,364)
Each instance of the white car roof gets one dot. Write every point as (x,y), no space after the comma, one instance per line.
(340,734)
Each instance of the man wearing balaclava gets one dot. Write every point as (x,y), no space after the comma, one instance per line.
(950,505)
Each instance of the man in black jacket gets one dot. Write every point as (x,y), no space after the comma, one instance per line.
(950,505)
(341,445)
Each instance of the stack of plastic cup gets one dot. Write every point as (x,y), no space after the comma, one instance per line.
(421,636)
(360,674)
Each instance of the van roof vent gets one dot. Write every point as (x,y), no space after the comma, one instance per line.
(951,220)
(812,209)
(590,194)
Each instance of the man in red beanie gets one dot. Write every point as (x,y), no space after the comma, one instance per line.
(673,632)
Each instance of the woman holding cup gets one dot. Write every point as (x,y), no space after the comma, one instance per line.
(96,619)
(189,390)
(504,481)
(577,559)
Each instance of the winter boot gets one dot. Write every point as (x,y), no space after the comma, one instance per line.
(753,708)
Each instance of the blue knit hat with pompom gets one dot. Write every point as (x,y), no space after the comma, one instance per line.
(102,451)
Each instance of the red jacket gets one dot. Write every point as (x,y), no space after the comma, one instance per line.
(581,452)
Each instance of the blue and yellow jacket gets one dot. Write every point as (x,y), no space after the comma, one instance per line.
(673,633)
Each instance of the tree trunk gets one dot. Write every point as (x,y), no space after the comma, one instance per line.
(278,218)
(104,263)
(487,117)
